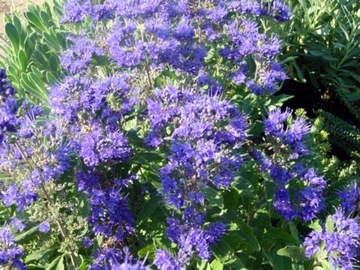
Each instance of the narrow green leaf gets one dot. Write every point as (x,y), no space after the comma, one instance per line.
(60,265)
(13,36)
(46,20)
(22,59)
(329,224)
(84,265)
(52,41)
(293,252)
(147,209)
(33,256)
(25,234)
(53,264)
(276,235)
(50,78)
(326,265)
(245,232)
(19,29)
(316,52)
(54,63)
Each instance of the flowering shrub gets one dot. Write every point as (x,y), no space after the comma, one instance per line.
(163,141)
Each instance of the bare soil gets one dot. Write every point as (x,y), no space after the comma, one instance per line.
(14,6)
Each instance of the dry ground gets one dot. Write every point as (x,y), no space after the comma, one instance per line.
(18,6)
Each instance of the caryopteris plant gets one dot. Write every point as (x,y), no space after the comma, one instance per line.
(165,149)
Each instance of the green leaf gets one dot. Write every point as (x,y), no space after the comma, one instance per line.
(147,252)
(277,101)
(51,40)
(35,21)
(293,252)
(54,63)
(46,19)
(277,262)
(33,256)
(245,232)
(225,254)
(216,265)
(147,209)
(213,197)
(355,96)
(84,265)
(278,235)
(315,226)
(13,36)
(60,265)
(329,224)
(19,28)
(316,52)
(26,234)
(22,59)
(50,78)
(53,264)
(329,57)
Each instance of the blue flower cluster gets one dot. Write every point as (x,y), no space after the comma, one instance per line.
(110,216)
(339,240)
(153,36)
(10,253)
(8,106)
(36,155)
(129,45)
(299,189)
(108,259)
(350,198)
(204,135)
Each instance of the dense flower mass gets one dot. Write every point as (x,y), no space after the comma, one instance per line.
(299,189)
(340,240)
(153,36)
(350,198)
(206,134)
(110,216)
(10,253)
(151,152)
(8,106)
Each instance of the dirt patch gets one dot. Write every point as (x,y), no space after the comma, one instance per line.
(14,6)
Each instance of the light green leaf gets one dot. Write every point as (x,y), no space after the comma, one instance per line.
(293,252)
(25,234)
(216,265)
(329,225)
(60,265)
(53,264)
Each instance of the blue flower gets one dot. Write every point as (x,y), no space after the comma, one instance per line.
(340,242)
(350,197)
(44,226)
(10,253)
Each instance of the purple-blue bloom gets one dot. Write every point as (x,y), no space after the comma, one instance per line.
(44,226)
(350,198)
(10,253)
(341,242)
